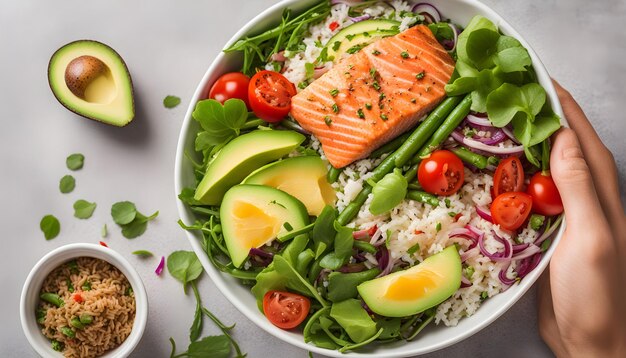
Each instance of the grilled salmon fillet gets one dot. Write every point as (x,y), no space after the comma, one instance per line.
(374,95)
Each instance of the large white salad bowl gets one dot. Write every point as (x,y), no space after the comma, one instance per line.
(433,337)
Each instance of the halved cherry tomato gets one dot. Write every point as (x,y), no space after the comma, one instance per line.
(509,176)
(441,173)
(231,85)
(510,210)
(546,197)
(270,95)
(285,310)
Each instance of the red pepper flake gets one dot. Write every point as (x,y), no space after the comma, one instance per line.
(104,244)
(417,232)
(78,297)
(372,230)
(333,26)
(457,217)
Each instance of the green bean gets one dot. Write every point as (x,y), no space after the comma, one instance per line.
(253,124)
(292,125)
(294,233)
(391,146)
(475,159)
(402,154)
(86,319)
(423,197)
(76,323)
(52,298)
(56,345)
(410,174)
(333,174)
(68,332)
(365,246)
(414,186)
(443,132)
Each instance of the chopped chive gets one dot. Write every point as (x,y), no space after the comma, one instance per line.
(420,75)
(288,226)
(447,201)
(381,96)
(413,100)
(328,121)
(438,227)
(383,117)
(57,346)
(452,214)
(360,113)
(350,37)
(373,72)
(67,331)
(86,286)
(335,108)
(413,249)
(70,286)
(404,54)
(375,52)
(334,92)
(336,45)
(368,106)
(302,85)
(376,85)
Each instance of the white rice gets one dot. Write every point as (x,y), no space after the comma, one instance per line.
(412,222)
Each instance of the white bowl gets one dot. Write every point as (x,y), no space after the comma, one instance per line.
(433,337)
(32,286)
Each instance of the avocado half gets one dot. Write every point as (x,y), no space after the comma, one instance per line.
(90,79)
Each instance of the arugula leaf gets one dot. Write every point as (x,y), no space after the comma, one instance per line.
(390,327)
(342,286)
(210,346)
(171,101)
(67,184)
(123,212)
(75,161)
(184,266)
(219,122)
(342,248)
(323,230)
(50,227)
(388,192)
(314,333)
(294,280)
(83,209)
(354,319)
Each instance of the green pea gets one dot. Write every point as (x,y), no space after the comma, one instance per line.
(56,345)
(68,332)
(86,319)
(86,286)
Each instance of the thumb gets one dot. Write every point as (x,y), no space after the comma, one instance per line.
(573,179)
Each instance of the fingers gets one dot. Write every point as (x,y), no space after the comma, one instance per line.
(599,159)
(548,328)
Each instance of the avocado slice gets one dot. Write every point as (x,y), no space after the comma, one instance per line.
(359,35)
(242,156)
(90,79)
(416,289)
(254,215)
(302,177)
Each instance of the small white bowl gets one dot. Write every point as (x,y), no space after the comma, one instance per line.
(32,287)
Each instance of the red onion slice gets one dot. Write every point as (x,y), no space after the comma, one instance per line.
(474,144)
(549,232)
(261,253)
(319,71)
(504,256)
(278,57)
(361,18)
(456,32)
(503,278)
(484,213)
(510,134)
(479,121)
(497,136)
(159,268)
(529,251)
(469,254)
(427,9)
(465,282)
(345,2)
(365,233)
(527,265)
(519,248)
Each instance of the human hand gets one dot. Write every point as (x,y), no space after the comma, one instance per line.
(582,308)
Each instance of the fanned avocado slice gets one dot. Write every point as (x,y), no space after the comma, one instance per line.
(90,79)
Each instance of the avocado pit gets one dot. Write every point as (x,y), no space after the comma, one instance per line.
(90,79)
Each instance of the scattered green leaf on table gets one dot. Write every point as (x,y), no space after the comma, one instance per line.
(184,266)
(123,212)
(67,184)
(138,226)
(105,231)
(83,209)
(142,253)
(75,161)
(210,346)
(50,227)
(171,101)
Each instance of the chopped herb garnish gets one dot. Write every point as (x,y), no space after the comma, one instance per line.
(335,108)
(375,52)
(70,285)
(447,201)
(309,70)
(86,286)
(413,100)
(277,203)
(171,101)
(469,271)
(404,54)
(350,36)
(381,96)
(413,249)
(328,121)
(356,48)
(545,245)
(484,295)
(73,265)
(303,84)
(57,346)
(383,117)
(368,106)
(420,75)
(536,221)
(452,214)
(334,92)
(376,85)
(288,226)
(105,231)
(373,72)
(276,66)
(142,253)
(360,113)
(366,34)
(336,45)
(438,227)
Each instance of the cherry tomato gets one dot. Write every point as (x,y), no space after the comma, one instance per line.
(285,310)
(441,173)
(270,95)
(546,197)
(509,176)
(510,210)
(231,85)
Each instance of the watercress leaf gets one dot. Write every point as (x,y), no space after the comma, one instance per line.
(342,286)
(237,113)
(328,325)
(204,141)
(171,101)
(187,196)
(505,42)
(184,266)
(83,209)
(390,327)
(481,46)
(354,319)
(123,212)
(512,59)
(136,227)
(50,227)
(486,82)
(504,104)
(388,192)
(220,122)
(331,261)
(67,184)
(532,154)
(535,98)
(210,346)
(75,161)
(303,261)
(461,86)
(323,230)
(343,241)
(544,125)
(441,30)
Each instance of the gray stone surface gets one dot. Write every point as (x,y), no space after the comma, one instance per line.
(168,46)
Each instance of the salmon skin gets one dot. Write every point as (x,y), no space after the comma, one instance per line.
(374,95)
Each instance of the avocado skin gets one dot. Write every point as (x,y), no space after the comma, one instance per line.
(83,114)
